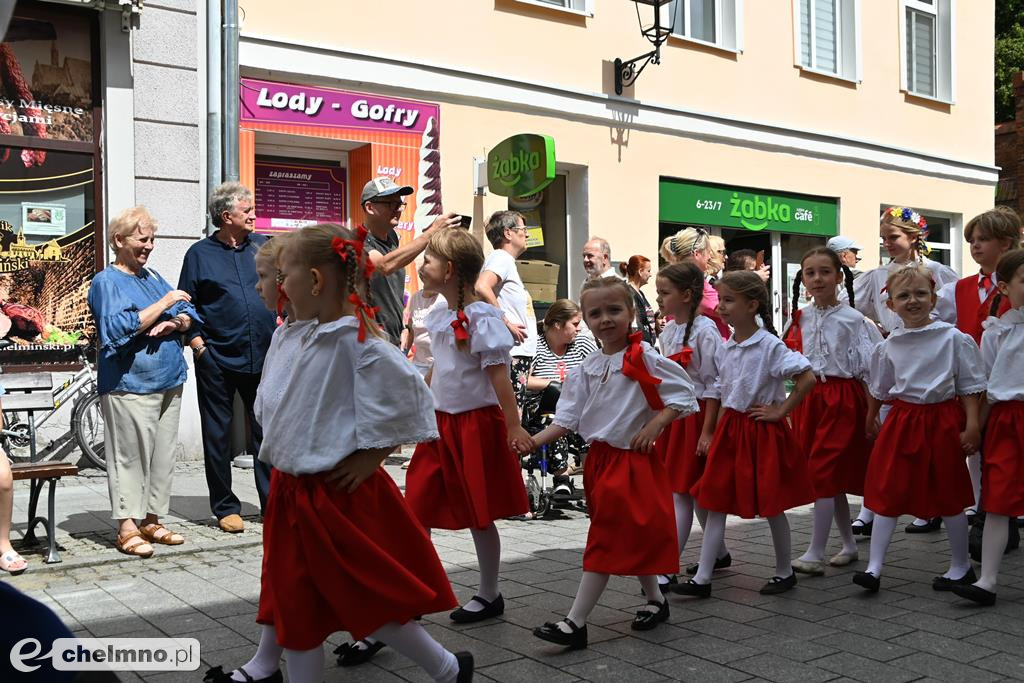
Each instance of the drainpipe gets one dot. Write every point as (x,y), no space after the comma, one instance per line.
(213,100)
(231,88)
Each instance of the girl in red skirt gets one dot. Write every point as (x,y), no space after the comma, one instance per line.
(341,550)
(755,466)
(471,476)
(692,340)
(619,401)
(839,342)
(917,464)
(1002,348)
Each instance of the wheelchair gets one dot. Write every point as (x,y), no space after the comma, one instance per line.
(555,460)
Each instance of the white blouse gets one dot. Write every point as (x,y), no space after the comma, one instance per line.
(345,396)
(927,364)
(753,372)
(1002,349)
(838,341)
(870,300)
(705,341)
(284,351)
(600,403)
(459,382)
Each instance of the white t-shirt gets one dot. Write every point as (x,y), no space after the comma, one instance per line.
(459,382)
(838,341)
(927,364)
(754,371)
(345,395)
(284,352)
(705,342)
(419,307)
(1002,349)
(600,403)
(513,299)
(870,300)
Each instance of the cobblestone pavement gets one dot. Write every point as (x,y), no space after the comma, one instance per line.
(824,630)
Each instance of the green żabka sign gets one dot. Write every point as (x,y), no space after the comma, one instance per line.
(737,207)
(521,165)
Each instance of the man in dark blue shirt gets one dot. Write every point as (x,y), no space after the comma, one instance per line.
(219,272)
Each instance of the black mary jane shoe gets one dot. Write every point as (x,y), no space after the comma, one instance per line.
(861,528)
(979,595)
(941,583)
(934,524)
(351,654)
(777,585)
(576,640)
(720,563)
(693,589)
(645,619)
(217,675)
(867,581)
(492,608)
(465,660)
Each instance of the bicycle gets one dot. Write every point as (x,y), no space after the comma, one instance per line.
(86,416)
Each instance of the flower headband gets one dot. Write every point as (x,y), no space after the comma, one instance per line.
(908,215)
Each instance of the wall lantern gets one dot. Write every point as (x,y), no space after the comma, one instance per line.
(626,73)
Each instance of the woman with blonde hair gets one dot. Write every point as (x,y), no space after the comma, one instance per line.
(694,244)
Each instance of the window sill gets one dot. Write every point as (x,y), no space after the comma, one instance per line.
(828,74)
(927,98)
(678,37)
(567,10)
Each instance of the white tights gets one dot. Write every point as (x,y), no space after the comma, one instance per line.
(714,532)
(488,557)
(993,545)
(824,511)
(956,530)
(685,508)
(592,585)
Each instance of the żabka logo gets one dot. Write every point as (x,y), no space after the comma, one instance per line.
(760,209)
(514,167)
(109,654)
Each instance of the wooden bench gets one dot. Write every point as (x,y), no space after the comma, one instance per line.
(29,392)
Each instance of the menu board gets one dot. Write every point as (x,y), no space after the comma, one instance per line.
(291,196)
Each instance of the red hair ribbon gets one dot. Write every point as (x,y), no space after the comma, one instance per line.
(361,233)
(461,326)
(683,357)
(794,335)
(282,299)
(633,367)
(368,313)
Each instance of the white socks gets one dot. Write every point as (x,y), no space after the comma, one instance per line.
(974,468)
(881,535)
(993,545)
(488,555)
(783,544)
(305,666)
(683,503)
(413,641)
(267,659)
(714,535)
(959,560)
(592,585)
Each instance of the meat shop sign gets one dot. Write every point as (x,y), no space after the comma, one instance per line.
(36,112)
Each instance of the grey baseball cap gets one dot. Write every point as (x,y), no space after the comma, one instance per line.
(383,187)
(840,243)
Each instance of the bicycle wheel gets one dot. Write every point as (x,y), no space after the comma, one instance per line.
(87,423)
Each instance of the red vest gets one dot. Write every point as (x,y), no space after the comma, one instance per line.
(969,313)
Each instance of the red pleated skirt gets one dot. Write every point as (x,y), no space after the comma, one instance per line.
(829,424)
(469,477)
(1002,456)
(917,465)
(338,561)
(632,520)
(754,469)
(677,448)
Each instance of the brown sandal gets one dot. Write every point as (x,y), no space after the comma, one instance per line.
(150,532)
(133,550)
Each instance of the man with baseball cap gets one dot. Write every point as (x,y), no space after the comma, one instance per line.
(383,202)
(848,252)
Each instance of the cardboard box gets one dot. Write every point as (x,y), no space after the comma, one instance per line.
(538,272)
(542,294)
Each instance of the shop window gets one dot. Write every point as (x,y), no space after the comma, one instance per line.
(927,48)
(580,6)
(828,36)
(714,22)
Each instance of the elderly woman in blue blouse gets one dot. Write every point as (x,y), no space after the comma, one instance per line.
(140,319)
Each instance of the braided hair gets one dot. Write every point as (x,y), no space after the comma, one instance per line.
(837,263)
(748,284)
(915,231)
(686,277)
(466,255)
(1009,264)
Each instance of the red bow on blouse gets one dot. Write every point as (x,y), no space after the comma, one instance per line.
(461,326)
(368,313)
(683,357)
(633,367)
(282,299)
(794,336)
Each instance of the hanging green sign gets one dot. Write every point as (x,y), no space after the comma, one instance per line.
(683,201)
(521,165)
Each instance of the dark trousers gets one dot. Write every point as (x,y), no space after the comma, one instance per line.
(216,388)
